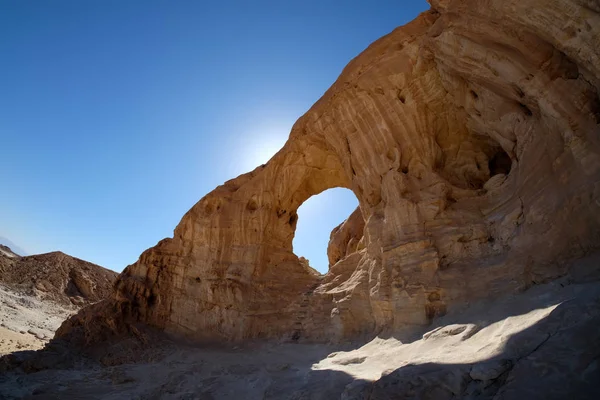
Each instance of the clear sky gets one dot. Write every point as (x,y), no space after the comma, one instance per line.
(117,116)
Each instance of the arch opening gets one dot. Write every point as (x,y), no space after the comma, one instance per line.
(317,219)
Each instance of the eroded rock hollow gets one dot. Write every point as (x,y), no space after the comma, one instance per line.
(471,140)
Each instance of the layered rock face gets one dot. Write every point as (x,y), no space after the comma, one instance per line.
(346,238)
(471,139)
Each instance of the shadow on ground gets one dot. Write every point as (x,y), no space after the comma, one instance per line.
(541,344)
(556,358)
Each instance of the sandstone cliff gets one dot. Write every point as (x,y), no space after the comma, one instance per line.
(471,139)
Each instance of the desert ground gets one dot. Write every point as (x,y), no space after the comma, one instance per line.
(487,350)
(26,322)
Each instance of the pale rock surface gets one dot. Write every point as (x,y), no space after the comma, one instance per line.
(28,322)
(471,139)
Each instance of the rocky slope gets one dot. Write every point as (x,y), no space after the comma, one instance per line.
(57,277)
(471,138)
(5,251)
(37,293)
(28,322)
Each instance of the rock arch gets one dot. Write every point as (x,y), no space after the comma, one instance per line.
(231,268)
(469,137)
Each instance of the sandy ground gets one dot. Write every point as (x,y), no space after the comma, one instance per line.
(27,323)
(11,341)
(473,352)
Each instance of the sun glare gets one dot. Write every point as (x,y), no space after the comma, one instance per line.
(257,146)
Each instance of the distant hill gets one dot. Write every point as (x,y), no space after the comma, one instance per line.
(56,276)
(15,249)
(7,252)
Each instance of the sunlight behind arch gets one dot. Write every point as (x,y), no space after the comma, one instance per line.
(257,145)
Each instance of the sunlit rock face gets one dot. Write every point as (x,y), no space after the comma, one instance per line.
(347,238)
(471,139)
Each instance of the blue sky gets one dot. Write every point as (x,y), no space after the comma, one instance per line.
(117,116)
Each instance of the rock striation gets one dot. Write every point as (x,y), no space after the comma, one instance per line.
(471,139)
(347,238)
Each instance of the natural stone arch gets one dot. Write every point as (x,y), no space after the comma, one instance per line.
(422,127)
(231,265)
